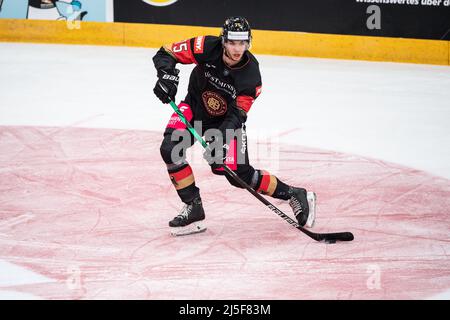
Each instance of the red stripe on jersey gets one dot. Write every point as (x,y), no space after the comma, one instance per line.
(245,102)
(182,52)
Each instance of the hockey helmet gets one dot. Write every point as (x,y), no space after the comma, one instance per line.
(236,28)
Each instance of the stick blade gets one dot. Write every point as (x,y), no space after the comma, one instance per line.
(333,237)
(327,237)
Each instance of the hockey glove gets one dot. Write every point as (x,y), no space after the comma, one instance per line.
(167,85)
(215,153)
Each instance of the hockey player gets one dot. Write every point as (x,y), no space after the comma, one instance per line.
(222,88)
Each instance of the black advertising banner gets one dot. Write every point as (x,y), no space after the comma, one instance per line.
(421,19)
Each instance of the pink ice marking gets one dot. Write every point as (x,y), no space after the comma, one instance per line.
(88,208)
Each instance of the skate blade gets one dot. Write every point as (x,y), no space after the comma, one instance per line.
(311,197)
(187,230)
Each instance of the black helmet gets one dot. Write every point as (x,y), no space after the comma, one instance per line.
(236,28)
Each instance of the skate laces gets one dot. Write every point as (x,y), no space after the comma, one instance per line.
(295,205)
(184,214)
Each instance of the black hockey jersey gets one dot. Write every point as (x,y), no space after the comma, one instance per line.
(215,89)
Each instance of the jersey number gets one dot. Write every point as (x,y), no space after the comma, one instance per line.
(178,47)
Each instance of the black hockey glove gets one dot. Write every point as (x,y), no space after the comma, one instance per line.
(216,152)
(167,85)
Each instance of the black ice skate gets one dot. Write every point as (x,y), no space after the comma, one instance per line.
(188,221)
(304,206)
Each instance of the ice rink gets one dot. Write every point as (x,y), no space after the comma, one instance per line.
(85,197)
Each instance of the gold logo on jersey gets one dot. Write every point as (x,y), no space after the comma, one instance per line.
(214,103)
(160,3)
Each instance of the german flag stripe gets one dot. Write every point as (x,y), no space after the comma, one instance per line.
(264,183)
(183,173)
(268,183)
(186,182)
(272,185)
(183,178)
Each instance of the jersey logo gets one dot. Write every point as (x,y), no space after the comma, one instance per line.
(198,45)
(214,103)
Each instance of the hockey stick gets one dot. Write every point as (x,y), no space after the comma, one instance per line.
(326,237)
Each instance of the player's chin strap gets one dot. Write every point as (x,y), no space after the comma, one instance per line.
(325,237)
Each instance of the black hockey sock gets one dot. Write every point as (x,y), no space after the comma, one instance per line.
(183,180)
(281,191)
(272,186)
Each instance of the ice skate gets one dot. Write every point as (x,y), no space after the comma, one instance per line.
(189,221)
(303,205)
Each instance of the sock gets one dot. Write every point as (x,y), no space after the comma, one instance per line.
(272,186)
(183,180)
(282,191)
